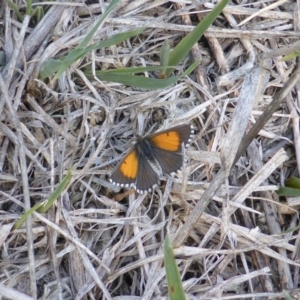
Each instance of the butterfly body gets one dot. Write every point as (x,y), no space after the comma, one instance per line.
(163,148)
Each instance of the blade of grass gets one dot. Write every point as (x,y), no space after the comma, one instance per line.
(42,207)
(288,192)
(27,214)
(100,21)
(186,44)
(58,191)
(291,56)
(287,296)
(15,8)
(164,58)
(51,66)
(175,288)
(130,70)
(28,7)
(39,13)
(144,82)
(293,182)
(78,51)
(48,68)
(139,81)
(116,39)
(288,231)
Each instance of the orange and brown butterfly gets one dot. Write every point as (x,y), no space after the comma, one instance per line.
(163,147)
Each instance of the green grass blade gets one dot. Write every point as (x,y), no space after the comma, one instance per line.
(164,58)
(45,205)
(27,214)
(49,67)
(130,70)
(141,81)
(116,39)
(293,182)
(15,8)
(80,50)
(28,7)
(291,56)
(175,288)
(58,191)
(90,35)
(287,295)
(288,192)
(52,66)
(38,12)
(186,44)
(289,230)
(291,188)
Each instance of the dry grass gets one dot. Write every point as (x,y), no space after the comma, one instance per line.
(100,242)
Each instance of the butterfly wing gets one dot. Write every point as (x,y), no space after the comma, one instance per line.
(147,178)
(166,146)
(134,171)
(125,173)
(171,139)
(169,161)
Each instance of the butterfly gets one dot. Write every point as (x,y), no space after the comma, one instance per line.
(163,148)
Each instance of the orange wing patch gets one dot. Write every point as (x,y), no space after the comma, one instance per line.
(168,141)
(129,167)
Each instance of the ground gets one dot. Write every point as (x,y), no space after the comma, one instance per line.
(232,235)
